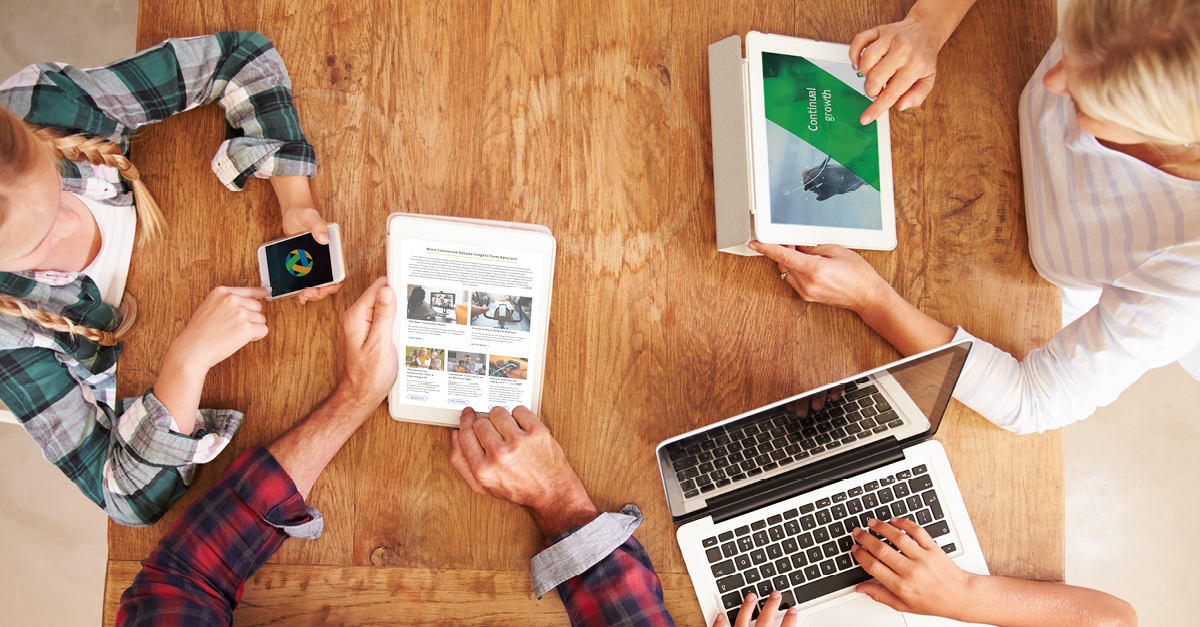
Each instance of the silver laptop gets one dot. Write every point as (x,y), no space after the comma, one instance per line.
(766,500)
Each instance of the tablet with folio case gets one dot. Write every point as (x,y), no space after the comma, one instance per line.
(791,163)
(475,309)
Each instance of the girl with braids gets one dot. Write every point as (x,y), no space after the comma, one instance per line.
(70,202)
(1110,152)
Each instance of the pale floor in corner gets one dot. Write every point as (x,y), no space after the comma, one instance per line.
(1129,469)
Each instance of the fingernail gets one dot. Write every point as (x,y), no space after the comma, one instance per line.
(792,611)
(774,594)
(864,120)
(753,246)
(753,597)
(386,296)
(872,522)
(903,107)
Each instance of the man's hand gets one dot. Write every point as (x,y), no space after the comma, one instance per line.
(370,363)
(513,457)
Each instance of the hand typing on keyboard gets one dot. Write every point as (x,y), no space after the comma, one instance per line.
(770,608)
(514,457)
(917,575)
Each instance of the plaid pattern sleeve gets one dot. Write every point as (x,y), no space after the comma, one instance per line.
(621,590)
(241,71)
(196,574)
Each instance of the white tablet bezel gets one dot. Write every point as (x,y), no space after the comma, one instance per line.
(404,226)
(767,231)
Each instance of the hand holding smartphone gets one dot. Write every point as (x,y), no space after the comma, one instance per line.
(290,265)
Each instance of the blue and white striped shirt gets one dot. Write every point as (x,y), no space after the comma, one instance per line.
(1117,234)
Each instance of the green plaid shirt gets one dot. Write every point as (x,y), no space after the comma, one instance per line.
(123,454)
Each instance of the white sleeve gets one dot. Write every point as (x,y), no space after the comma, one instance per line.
(1090,361)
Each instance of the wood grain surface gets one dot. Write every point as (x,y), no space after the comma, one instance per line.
(592,119)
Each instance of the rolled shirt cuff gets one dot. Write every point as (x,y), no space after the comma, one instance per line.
(573,552)
(268,490)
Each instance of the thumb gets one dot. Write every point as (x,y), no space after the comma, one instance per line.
(794,259)
(883,595)
(385,316)
(320,231)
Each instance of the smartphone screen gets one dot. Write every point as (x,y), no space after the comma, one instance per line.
(502,311)
(297,263)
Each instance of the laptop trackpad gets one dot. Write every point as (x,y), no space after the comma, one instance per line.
(856,613)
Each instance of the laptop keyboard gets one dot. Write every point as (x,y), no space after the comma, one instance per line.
(804,552)
(737,451)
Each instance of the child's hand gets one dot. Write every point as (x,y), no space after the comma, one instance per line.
(767,617)
(298,220)
(228,319)
(920,578)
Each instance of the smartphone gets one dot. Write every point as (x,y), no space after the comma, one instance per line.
(289,265)
(502,312)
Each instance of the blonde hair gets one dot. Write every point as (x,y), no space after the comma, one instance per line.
(23,151)
(1138,65)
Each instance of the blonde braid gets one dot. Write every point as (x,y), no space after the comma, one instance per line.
(98,151)
(10,306)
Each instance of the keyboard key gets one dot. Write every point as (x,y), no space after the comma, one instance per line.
(703,480)
(904,475)
(775,551)
(850,523)
(713,554)
(829,549)
(704,457)
(691,493)
(883,513)
(756,471)
(825,502)
(872,486)
(880,429)
(708,488)
(770,466)
(805,541)
(767,570)
(828,567)
(845,543)
(796,578)
(844,561)
(791,513)
(730,584)
(745,544)
(823,438)
(821,534)
(722,483)
(808,523)
(822,587)
(949,548)
(775,520)
(870,501)
(759,556)
(764,589)
(836,530)
(920,483)
(886,481)
(838,511)
(866,424)
(778,455)
(687,485)
(741,531)
(724,569)
(898,509)
(790,546)
(732,600)
(752,575)
(738,477)
(854,506)
(807,508)
(729,549)
(791,527)
(888,417)
(783,565)
(832,445)
(938,529)
(823,517)
(814,554)
(935,504)
(924,517)
(742,562)
(901,490)
(758,524)
(776,533)
(780,582)
(760,538)
(885,495)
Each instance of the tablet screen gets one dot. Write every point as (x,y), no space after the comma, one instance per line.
(823,166)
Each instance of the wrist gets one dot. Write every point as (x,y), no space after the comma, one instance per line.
(349,398)
(876,298)
(564,511)
(940,21)
(187,365)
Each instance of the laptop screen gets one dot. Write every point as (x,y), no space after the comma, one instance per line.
(891,407)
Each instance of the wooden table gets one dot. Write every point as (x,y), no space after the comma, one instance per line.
(593,119)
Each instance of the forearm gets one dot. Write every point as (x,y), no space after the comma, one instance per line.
(293,192)
(1008,602)
(309,446)
(904,326)
(945,15)
(178,387)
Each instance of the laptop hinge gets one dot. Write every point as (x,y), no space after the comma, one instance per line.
(803,479)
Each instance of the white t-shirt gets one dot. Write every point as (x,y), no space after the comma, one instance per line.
(1122,238)
(118,230)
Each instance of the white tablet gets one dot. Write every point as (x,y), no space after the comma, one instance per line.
(474,314)
(819,176)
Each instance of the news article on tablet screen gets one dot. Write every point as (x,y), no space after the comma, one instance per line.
(823,165)
(465,328)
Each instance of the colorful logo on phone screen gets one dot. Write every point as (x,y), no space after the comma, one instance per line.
(299,262)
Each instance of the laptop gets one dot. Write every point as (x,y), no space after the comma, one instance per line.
(767,499)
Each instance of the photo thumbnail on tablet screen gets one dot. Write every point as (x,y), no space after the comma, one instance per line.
(822,164)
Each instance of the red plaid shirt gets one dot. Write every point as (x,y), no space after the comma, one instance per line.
(196,575)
